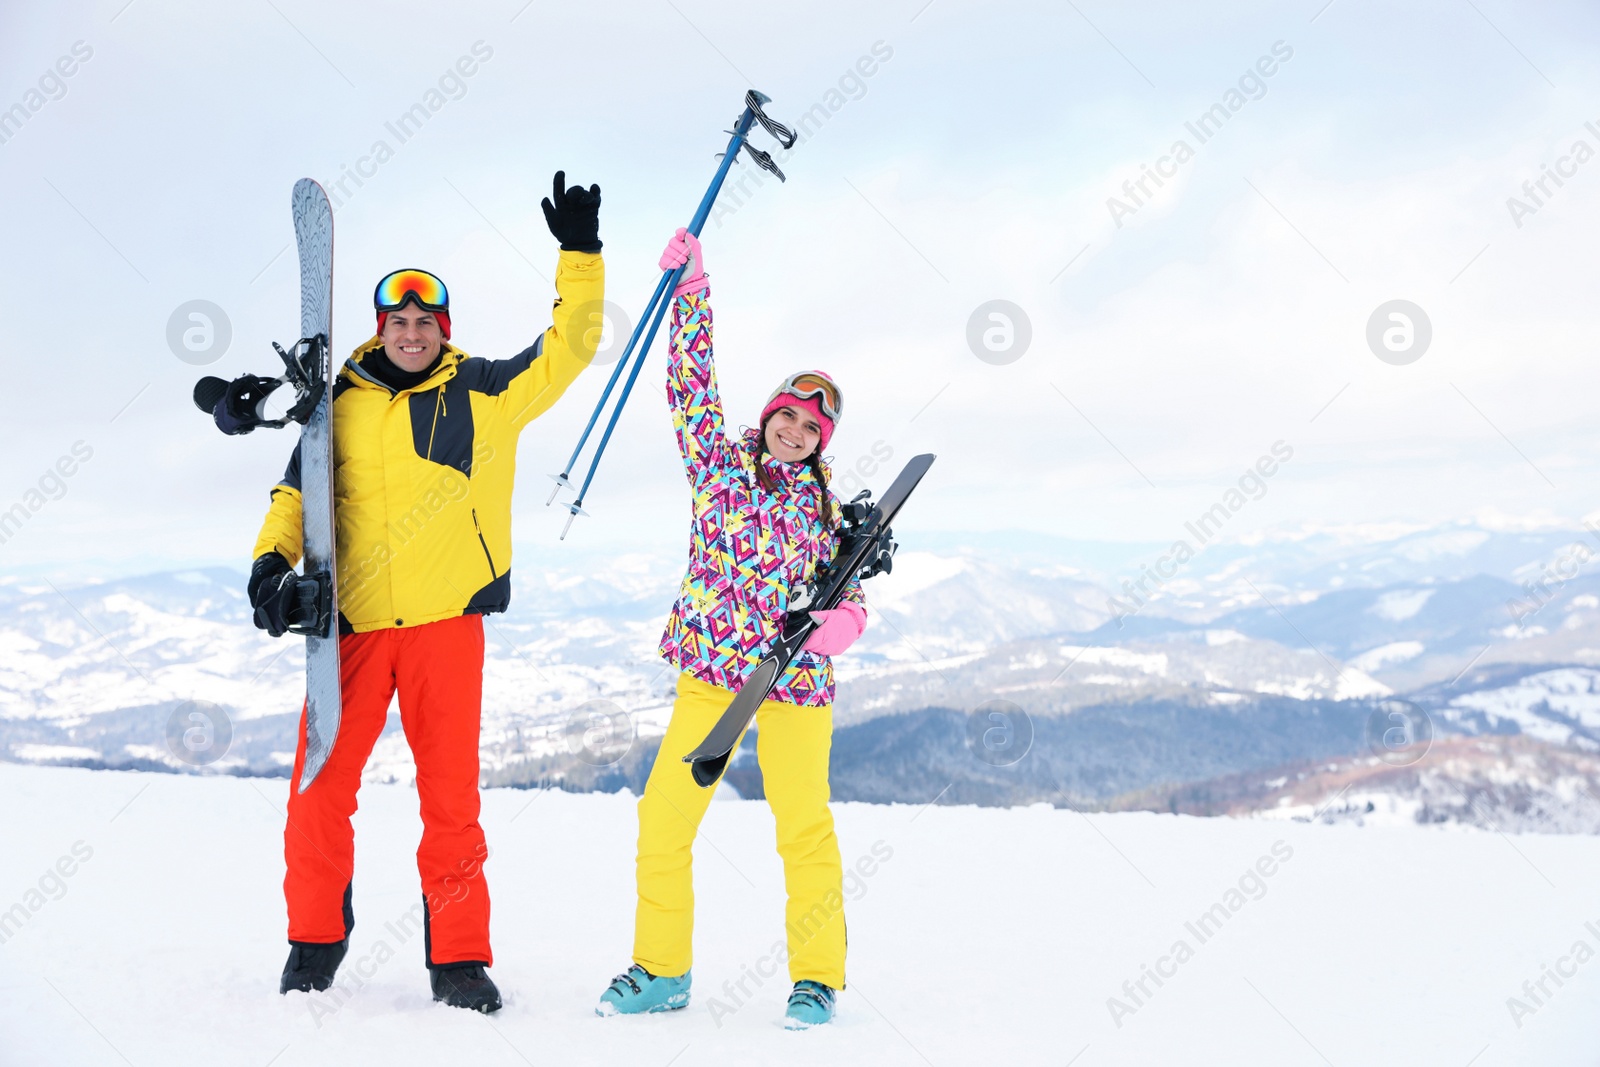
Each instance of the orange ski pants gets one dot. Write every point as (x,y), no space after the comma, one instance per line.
(437,668)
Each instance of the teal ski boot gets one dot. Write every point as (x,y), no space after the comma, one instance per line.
(637,991)
(811,1004)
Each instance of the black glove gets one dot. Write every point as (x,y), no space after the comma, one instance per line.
(282,599)
(574,216)
(268,578)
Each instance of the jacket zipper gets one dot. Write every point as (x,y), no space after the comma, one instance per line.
(438,403)
(492,572)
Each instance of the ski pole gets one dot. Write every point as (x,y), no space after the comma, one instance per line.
(576,507)
(656,310)
(562,480)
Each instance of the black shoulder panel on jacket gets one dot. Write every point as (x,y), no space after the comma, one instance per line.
(493,376)
(441,425)
(492,598)
(291,473)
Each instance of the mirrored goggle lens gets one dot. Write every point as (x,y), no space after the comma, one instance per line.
(402,285)
(808,385)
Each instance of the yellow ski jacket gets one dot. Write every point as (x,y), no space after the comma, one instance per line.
(422,477)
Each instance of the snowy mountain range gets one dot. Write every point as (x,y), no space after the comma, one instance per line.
(1265,655)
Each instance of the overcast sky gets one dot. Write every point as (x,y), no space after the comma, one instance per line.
(1176,335)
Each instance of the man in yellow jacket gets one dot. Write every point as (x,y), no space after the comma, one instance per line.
(424,454)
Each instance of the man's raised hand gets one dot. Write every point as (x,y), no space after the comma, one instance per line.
(573,215)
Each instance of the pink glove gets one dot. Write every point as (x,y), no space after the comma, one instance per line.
(837,629)
(685,248)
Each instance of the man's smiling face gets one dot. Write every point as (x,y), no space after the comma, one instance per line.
(412,338)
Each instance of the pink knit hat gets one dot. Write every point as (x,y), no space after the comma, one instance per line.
(813,404)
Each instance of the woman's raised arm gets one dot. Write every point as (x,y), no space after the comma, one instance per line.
(691,374)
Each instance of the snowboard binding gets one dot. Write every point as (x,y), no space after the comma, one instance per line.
(311,614)
(239,406)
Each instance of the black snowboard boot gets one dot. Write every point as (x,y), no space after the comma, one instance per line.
(465,985)
(311,965)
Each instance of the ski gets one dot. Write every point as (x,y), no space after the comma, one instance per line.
(313,231)
(866,547)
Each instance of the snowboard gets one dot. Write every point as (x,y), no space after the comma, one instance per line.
(240,407)
(866,547)
(313,231)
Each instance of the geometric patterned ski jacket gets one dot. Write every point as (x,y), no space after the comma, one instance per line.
(750,551)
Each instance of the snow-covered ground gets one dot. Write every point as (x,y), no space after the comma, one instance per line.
(981,936)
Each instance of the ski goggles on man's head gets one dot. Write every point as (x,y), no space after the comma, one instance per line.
(409,285)
(808,384)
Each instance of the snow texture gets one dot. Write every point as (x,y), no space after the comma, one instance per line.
(981,936)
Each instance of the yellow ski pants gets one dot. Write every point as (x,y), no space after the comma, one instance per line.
(792,748)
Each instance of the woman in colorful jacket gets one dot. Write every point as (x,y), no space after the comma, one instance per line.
(764,521)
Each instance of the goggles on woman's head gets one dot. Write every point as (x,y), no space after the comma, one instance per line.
(808,384)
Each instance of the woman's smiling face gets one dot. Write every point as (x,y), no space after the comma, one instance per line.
(792,434)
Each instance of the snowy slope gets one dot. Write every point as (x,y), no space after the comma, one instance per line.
(988,936)
(1055,674)
(1506,783)
(1560,706)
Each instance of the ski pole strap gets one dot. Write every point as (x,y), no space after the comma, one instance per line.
(763,160)
(661,301)
(786,137)
(753,100)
